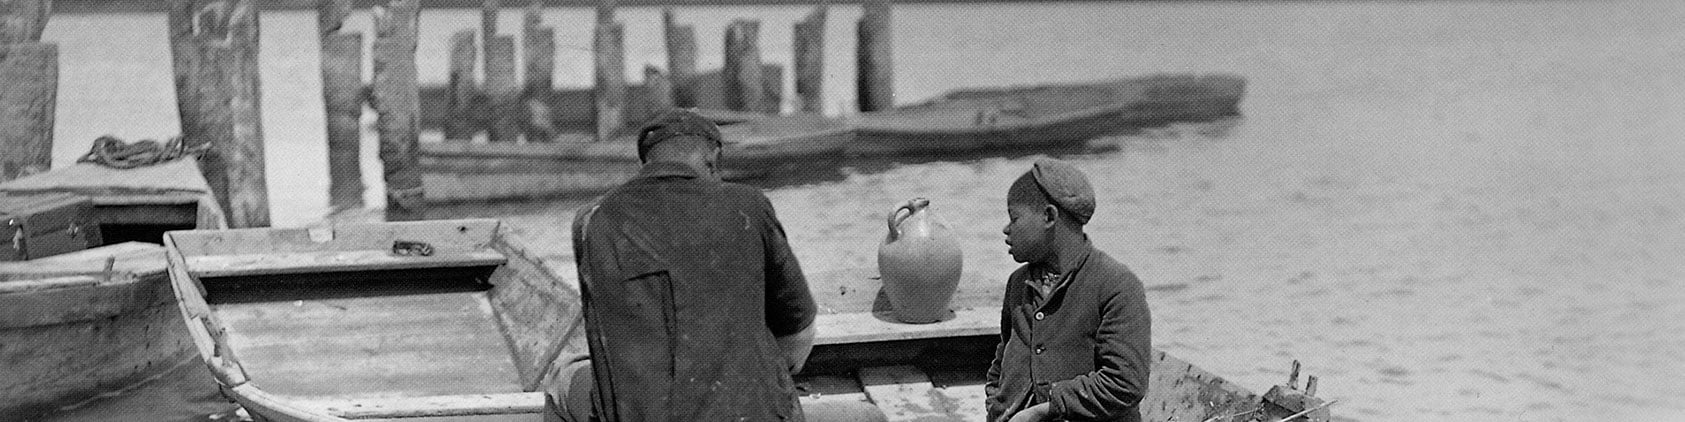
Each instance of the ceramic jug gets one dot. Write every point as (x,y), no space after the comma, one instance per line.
(920,263)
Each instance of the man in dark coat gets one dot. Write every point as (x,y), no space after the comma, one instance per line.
(695,307)
(1075,333)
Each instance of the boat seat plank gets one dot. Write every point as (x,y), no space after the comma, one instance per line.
(430,406)
(387,346)
(862,327)
(905,393)
(333,261)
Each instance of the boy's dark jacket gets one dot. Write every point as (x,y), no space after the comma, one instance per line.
(1088,353)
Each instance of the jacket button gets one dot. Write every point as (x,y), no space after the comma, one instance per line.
(1040,349)
(1040,315)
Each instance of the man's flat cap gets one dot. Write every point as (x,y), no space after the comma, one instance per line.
(1065,187)
(674,124)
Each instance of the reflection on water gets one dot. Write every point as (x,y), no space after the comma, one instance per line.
(1447,210)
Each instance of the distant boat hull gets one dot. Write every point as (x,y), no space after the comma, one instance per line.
(1029,120)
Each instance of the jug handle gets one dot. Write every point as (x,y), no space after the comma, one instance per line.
(895,217)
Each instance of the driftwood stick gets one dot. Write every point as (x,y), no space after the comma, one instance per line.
(396,100)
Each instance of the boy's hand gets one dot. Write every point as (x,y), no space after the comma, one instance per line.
(1035,413)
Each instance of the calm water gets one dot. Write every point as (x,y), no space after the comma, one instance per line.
(1447,210)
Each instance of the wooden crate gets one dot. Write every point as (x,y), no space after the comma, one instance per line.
(47,224)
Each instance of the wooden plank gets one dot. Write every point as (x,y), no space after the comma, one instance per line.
(905,393)
(875,84)
(446,236)
(396,100)
(82,298)
(429,406)
(131,257)
(27,101)
(332,261)
(868,327)
(384,346)
(1177,390)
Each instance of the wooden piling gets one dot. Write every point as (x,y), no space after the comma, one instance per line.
(609,92)
(342,97)
(396,100)
(539,48)
(465,110)
(741,74)
(201,85)
(681,59)
(488,26)
(810,62)
(28,98)
(248,189)
(22,21)
(875,84)
(502,89)
(214,45)
(29,94)
(658,93)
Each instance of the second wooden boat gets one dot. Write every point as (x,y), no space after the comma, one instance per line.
(458,319)
(1020,120)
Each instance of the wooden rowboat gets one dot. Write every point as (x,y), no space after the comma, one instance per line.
(331,325)
(134,205)
(76,326)
(1022,120)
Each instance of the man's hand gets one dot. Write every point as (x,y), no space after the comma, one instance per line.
(1035,413)
(796,347)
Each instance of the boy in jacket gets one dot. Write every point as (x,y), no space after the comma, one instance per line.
(1075,332)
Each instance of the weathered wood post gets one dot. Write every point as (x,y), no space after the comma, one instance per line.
(488,26)
(875,85)
(342,98)
(539,47)
(503,91)
(681,59)
(658,91)
(28,89)
(215,49)
(396,100)
(609,93)
(741,74)
(810,61)
(464,104)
